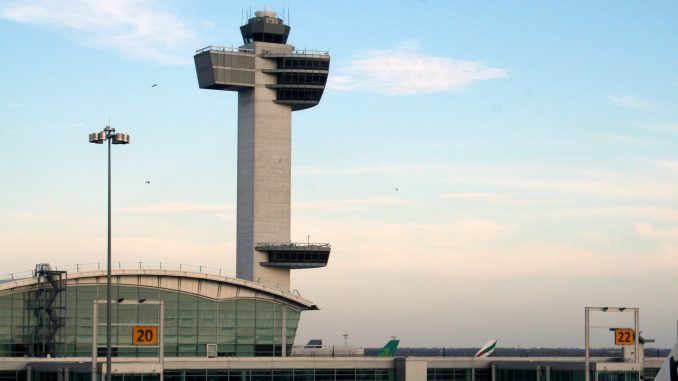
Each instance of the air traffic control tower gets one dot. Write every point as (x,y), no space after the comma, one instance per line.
(272,80)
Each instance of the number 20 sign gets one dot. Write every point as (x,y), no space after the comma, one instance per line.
(144,335)
(623,336)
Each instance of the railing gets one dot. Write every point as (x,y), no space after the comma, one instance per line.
(232,49)
(126,266)
(225,49)
(143,265)
(297,52)
(327,351)
(17,275)
(292,244)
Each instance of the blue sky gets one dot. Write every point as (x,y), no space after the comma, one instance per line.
(533,146)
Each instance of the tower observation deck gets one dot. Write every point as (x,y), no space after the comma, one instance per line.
(272,80)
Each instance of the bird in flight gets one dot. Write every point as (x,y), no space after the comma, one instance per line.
(148,181)
(154,85)
(396,189)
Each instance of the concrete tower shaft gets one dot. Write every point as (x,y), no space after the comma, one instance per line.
(264,173)
(272,80)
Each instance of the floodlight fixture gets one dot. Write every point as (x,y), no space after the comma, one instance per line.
(120,139)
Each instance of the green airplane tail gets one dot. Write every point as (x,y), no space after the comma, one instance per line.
(390,348)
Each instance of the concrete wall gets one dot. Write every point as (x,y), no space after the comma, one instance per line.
(410,369)
(224,70)
(264,173)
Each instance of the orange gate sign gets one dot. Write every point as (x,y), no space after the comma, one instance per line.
(624,336)
(145,335)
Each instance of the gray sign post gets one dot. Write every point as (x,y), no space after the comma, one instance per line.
(587,350)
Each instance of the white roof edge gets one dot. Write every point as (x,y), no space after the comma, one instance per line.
(171,273)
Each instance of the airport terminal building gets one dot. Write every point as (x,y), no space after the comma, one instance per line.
(182,323)
(214,328)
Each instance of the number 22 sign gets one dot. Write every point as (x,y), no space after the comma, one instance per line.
(623,336)
(143,335)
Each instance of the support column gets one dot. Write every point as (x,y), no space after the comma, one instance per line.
(283,333)
(161,349)
(95,353)
(587,362)
(636,335)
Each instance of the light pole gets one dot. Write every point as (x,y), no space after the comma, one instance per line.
(108,134)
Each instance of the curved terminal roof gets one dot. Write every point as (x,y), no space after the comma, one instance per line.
(216,287)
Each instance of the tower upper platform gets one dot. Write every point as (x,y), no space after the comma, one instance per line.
(300,75)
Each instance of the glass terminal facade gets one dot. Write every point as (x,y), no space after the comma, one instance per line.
(281,375)
(241,327)
(449,374)
(538,373)
(228,375)
(321,374)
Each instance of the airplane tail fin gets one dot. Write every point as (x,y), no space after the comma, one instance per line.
(390,348)
(487,349)
(669,369)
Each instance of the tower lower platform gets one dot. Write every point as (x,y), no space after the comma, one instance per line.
(295,255)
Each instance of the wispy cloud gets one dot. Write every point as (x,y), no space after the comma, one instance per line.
(620,213)
(626,139)
(67,125)
(629,101)
(662,233)
(345,204)
(608,185)
(668,164)
(523,179)
(178,207)
(323,171)
(136,28)
(499,198)
(475,196)
(668,126)
(404,70)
